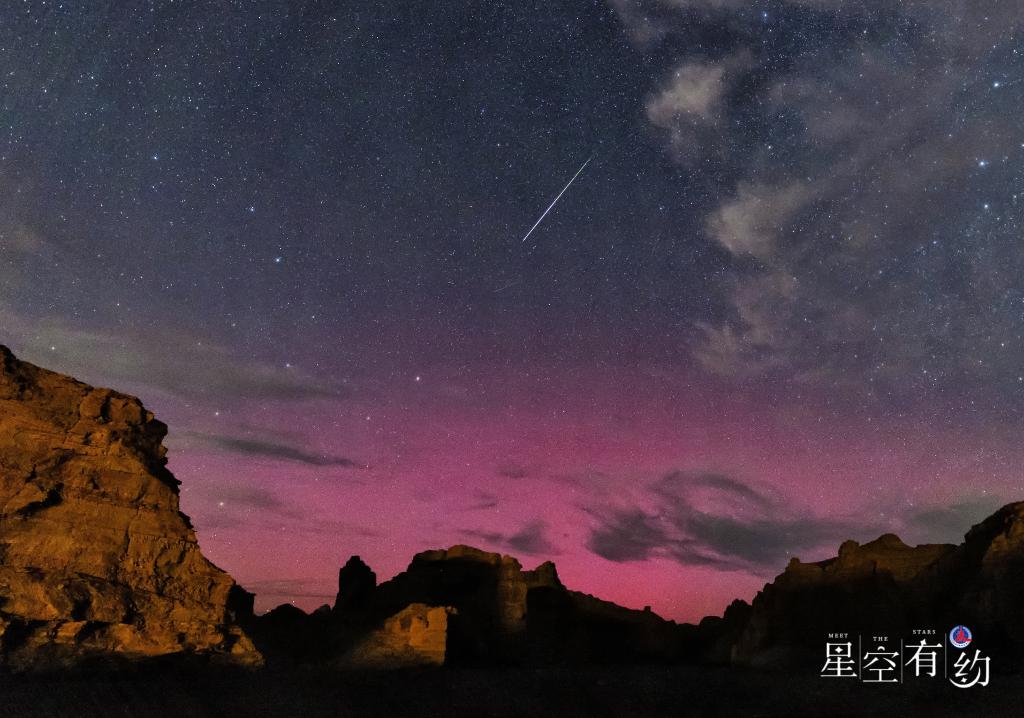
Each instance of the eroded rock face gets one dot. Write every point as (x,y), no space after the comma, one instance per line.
(95,557)
(416,636)
(876,587)
(987,576)
(500,613)
(886,586)
(464,606)
(488,590)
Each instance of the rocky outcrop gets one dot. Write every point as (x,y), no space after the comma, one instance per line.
(416,636)
(871,588)
(356,584)
(886,586)
(570,627)
(712,641)
(488,590)
(983,581)
(287,635)
(470,607)
(96,560)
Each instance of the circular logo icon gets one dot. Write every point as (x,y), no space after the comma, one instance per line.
(960,636)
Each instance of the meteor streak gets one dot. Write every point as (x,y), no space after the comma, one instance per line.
(558,198)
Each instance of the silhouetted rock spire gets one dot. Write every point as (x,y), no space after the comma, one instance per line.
(356,584)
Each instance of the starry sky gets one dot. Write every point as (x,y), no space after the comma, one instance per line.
(782,306)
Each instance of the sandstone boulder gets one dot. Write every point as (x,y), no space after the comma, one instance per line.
(416,636)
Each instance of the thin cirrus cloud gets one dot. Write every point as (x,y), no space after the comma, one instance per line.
(261,448)
(196,370)
(277,589)
(949,523)
(715,521)
(482,501)
(531,539)
(259,510)
(513,470)
(239,506)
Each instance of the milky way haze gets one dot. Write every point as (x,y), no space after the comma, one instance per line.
(783,306)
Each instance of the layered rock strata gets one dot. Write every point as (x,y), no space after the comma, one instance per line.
(96,559)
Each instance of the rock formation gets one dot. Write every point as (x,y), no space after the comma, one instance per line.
(888,587)
(982,582)
(356,584)
(487,590)
(96,560)
(470,607)
(416,636)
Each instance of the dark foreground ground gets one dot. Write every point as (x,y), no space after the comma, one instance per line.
(620,692)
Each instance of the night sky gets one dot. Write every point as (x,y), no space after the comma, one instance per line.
(782,306)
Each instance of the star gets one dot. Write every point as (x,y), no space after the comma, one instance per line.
(750,258)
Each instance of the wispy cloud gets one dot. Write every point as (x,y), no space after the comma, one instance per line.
(855,169)
(233,506)
(513,470)
(531,540)
(948,524)
(709,519)
(196,369)
(627,535)
(274,450)
(482,501)
(270,589)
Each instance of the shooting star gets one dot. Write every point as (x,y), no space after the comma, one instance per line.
(558,198)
